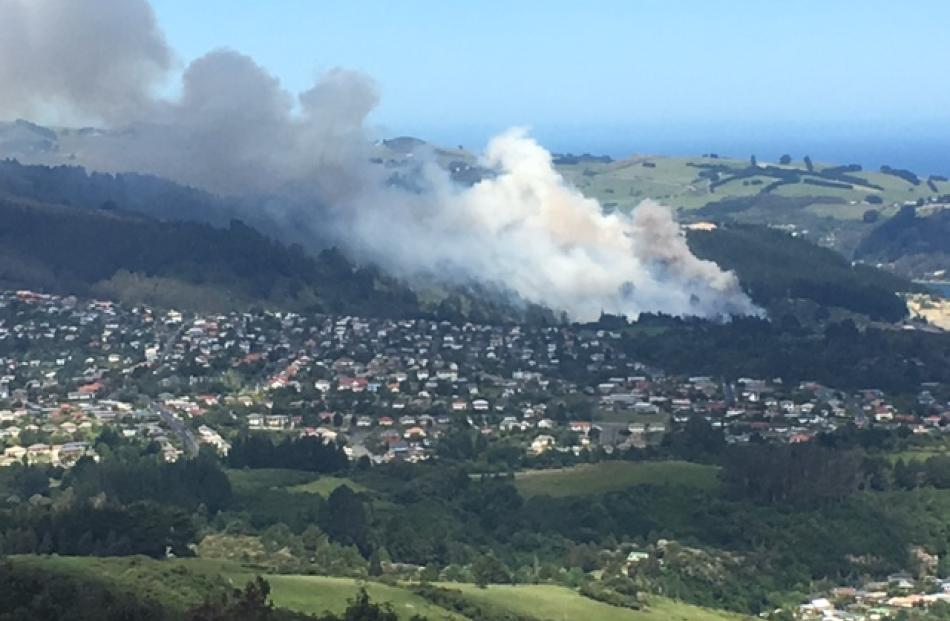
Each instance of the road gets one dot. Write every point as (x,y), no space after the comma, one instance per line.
(180,429)
(186,435)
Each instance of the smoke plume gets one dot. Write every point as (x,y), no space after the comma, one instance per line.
(90,60)
(235,130)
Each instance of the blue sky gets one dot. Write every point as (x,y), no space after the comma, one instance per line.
(615,76)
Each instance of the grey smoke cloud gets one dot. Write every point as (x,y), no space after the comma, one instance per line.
(97,61)
(235,130)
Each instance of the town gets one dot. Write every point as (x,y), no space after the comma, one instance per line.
(384,389)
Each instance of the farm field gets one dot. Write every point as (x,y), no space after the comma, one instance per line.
(675,181)
(610,476)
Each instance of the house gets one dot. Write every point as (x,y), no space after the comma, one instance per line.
(277,421)
(580,426)
(14,452)
(414,433)
(541,444)
(510,423)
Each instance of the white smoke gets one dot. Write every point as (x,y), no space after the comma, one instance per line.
(527,229)
(234,129)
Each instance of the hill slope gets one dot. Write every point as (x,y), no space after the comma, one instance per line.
(179,584)
(123,237)
(186,264)
(773,266)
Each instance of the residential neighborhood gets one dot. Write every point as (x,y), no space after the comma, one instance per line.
(387,390)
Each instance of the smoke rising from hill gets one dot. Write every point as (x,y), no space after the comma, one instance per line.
(235,130)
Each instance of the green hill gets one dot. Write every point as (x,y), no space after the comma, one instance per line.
(181,264)
(691,183)
(130,254)
(774,266)
(179,584)
(837,206)
(607,476)
(913,241)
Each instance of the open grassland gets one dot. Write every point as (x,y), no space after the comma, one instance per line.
(253,480)
(177,583)
(675,181)
(317,594)
(607,476)
(325,486)
(556,603)
(183,583)
(256,480)
(922,454)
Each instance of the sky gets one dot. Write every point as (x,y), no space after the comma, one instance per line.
(861,80)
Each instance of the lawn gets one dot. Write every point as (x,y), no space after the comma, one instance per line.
(556,603)
(607,476)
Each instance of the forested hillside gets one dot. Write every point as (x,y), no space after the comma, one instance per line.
(911,239)
(142,239)
(188,264)
(773,265)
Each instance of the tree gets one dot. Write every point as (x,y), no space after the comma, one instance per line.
(809,165)
(30,480)
(362,609)
(346,520)
(871,216)
(785,160)
(487,569)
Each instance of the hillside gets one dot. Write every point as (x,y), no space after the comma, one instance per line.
(180,584)
(774,266)
(167,246)
(836,206)
(185,264)
(915,240)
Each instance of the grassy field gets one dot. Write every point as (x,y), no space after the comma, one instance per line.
(297,481)
(316,594)
(249,481)
(182,583)
(178,584)
(609,476)
(673,181)
(919,454)
(555,603)
(325,486)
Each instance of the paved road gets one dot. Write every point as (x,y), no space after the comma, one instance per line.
(186,435)
(180,429)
